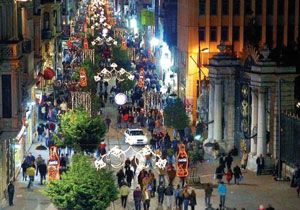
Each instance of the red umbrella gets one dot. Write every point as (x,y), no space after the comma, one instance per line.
(48,73)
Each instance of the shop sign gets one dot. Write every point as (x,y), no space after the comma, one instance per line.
(82,78)
(53,164)
(182,162)
(147,18)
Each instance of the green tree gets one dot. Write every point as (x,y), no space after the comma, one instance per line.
(83,187)
(127,84)
(121,57)
(82,132)
(175,115)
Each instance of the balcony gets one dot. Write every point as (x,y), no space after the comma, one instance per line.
(27,46)
(46,34)
(10,50)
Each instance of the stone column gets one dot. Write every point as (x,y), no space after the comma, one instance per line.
(218,111)
(261,124)
(211,111)
(253,120)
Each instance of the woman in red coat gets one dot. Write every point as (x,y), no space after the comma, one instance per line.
(228,175)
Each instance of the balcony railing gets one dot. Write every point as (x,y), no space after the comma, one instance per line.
(27,46)
(10,50)
(46,34)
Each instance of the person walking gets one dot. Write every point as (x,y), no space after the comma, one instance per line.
(24,167)
(129,176)
(169,193)
(107,122)
(237,173)
(229,161)
(222,190)
(124,192)
(178,197)
(219,172)
(193,201)
(186,198)
(30,171)
(161,193)
(137,197)
(42,168)
(146,198)
(11,192)
(121,177)
(208,192)
(260,161)
(228,175)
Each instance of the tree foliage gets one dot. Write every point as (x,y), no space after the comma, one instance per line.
(82,132)
(121,57)
(175,115)
(127,84)
(83,187)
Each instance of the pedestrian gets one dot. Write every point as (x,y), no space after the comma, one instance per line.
(193,201)
(244,160)
(30,171)
(208,192)
(169,193)
(107,122)
(298,185)
(260,162)
(30,159)
(161,193)
(222,190)
(237,173)
(186,198)
(129,176)
(153,183)
(124,192)
(228,175)
(178,197)
(270,207)
(11,192)
(24,167)
(146,198)
(228,161)
(261,207)
(219,172)
(40,131)
(121,177)
(134,163)
(42,168)
(137,197)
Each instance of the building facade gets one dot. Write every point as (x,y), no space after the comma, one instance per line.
(203,24)
(29,36)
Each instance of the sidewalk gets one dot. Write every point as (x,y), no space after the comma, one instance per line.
(31,199)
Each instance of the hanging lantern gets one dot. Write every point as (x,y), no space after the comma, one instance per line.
(48,73)
(82,78)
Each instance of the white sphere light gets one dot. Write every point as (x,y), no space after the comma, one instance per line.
(120,99)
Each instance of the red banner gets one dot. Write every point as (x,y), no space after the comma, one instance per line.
(53,164)
(182,162)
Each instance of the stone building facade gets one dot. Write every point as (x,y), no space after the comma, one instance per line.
(245,97)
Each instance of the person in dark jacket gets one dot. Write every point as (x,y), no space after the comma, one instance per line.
(228,161)
(193,201)
(42,168)
(237,173)
(220,172)
(129,176)
(137,197)
(260,162)
(161,193)
(121,177)
(24,167)
(11,192)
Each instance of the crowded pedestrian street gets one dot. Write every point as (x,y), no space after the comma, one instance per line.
(110,126)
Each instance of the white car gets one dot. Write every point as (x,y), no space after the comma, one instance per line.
(135,137)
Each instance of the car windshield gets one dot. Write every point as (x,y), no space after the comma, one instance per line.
(136,133)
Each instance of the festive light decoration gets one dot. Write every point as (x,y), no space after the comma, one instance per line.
(121,156)
(81,99)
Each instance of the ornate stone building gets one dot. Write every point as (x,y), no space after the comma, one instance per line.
(245,96)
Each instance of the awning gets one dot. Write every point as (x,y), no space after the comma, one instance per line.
(48,73)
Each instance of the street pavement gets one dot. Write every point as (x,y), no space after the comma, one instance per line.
(252,192)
